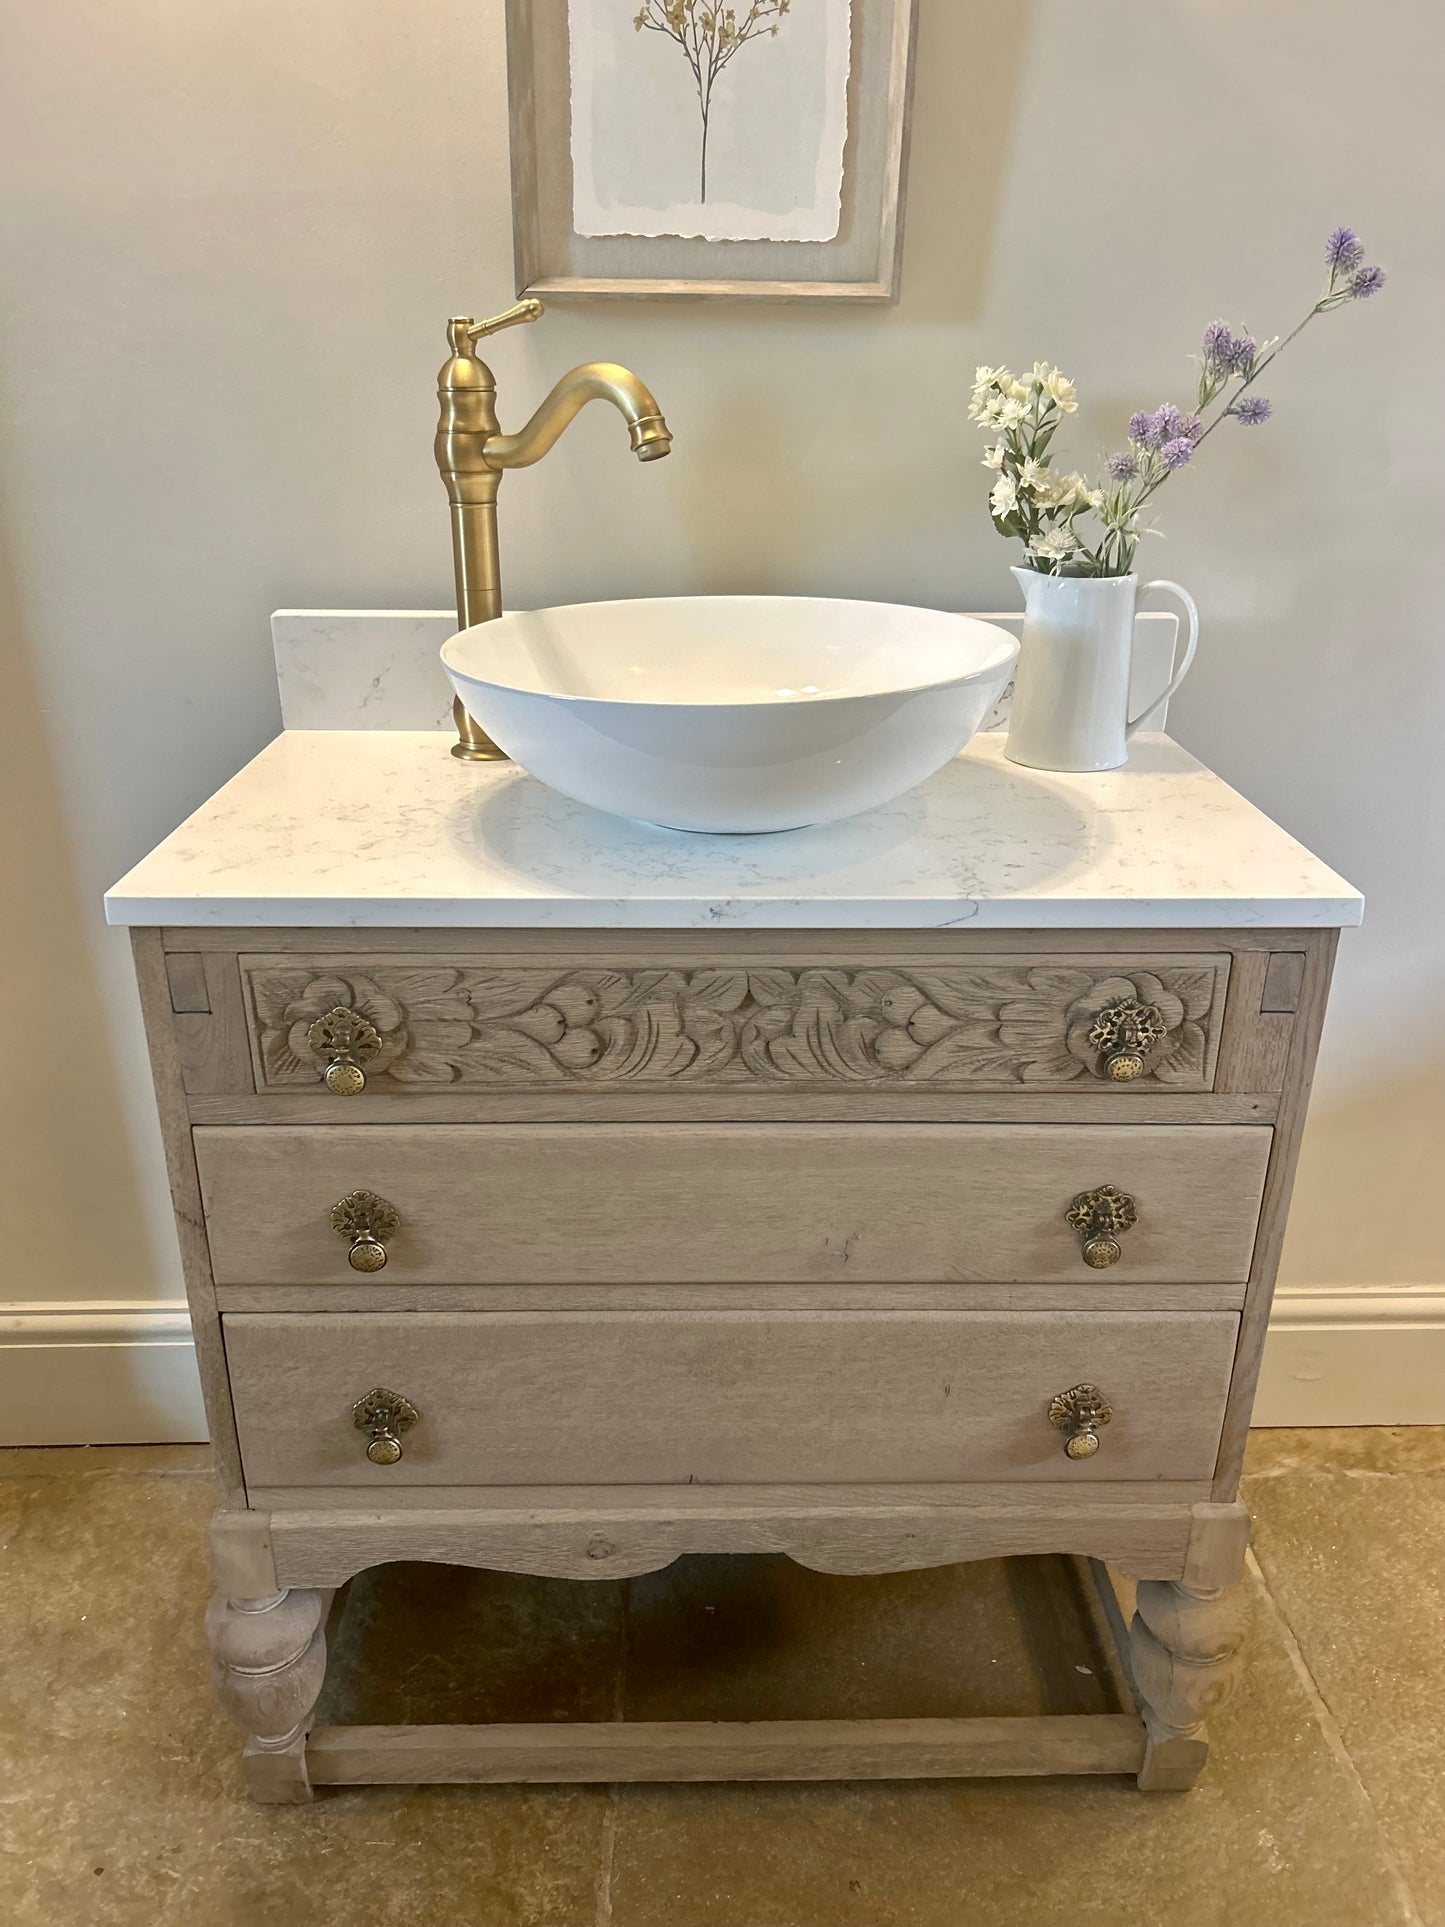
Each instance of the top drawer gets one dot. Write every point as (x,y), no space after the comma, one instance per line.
(427,1024)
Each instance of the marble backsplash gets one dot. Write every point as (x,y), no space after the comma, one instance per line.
(378,668)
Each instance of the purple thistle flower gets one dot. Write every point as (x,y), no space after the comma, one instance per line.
(1243,349)
(1253,411)
(1366,281)
(1123,467)
(1226,353)
(1176,453)
(1218,342)
(1192,426)
(1344,251)
(1152,431)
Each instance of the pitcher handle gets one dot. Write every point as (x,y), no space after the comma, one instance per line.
(1183,670)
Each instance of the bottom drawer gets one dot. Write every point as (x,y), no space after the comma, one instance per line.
(720,1398)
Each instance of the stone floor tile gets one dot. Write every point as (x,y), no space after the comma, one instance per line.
(27,1462)
(716,1638)
(420,1644)
(120,1792)
(1355,1559)
(1278,1834)
(1352,1448)
(121,1801)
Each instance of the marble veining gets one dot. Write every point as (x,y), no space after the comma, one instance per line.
(356,828)
(362,668)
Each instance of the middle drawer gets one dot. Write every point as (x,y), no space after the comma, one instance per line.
(732,1203)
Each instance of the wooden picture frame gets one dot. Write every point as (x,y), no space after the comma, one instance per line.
(860,264)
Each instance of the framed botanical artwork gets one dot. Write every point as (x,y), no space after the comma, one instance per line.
(705,150)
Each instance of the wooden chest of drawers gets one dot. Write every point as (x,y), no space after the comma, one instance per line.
(571,1253)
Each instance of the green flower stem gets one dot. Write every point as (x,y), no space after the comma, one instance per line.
(1046,515)
(1231,401)
(1334,296)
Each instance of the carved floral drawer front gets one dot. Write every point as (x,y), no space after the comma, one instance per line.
(625,1398)
(1067,1023)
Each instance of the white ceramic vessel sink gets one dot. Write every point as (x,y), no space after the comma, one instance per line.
(731,713)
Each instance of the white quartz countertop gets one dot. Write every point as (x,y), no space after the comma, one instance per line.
(383,828)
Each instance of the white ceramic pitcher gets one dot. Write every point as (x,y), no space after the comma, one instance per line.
(1071,692)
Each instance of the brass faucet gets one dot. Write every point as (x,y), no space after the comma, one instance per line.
(472,454)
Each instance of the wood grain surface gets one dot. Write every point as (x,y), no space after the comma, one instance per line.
(692,1750)
(631,1398)
(668,1204)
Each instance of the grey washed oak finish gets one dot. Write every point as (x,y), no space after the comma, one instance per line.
(810,1032)
(555,1204)
(1004,1025)
(738,1398)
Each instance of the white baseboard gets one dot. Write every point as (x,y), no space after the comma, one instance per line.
(1355,1358)
(98,1372)
(114,1372)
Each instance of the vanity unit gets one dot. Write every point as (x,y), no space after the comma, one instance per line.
(562,1196)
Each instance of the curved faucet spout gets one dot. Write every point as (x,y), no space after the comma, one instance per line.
(593,381)
(472,454)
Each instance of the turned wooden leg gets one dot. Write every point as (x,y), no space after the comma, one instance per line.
(268,1662)
(1183,1643)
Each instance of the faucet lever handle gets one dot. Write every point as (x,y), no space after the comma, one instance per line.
(529,309)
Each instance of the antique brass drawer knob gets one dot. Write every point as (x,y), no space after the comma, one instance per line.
(1100,1217)
(367,1222)
(344,1041)
(1124,1033)
(1080,1412)
(384,1416)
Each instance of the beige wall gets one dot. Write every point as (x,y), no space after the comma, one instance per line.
(231,233)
